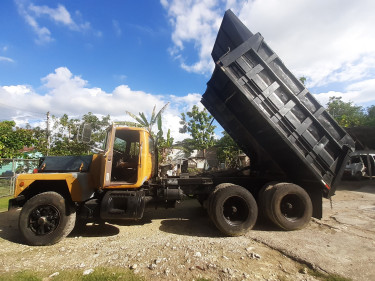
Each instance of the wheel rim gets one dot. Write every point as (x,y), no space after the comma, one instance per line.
(291,207)
(235,210)
(44,219)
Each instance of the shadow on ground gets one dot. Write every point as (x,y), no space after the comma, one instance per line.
(364,185)
(188,218)
(9,226)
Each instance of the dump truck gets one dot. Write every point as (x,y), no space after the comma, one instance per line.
(296,148)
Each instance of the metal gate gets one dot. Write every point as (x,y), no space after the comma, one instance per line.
(9,168)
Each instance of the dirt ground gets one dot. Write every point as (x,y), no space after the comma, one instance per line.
(182,244)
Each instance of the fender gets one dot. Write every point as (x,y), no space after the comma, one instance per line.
(79,184)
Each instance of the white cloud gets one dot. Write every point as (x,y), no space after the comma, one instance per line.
(43,33)
(6,59)
(360,93)
(325,41)
(70,94)
(193,22)
(116,28)
(59,15)
(4,49)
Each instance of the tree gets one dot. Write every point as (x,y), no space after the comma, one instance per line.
(164,145)
(64,140)
(370,116)
(97,126)
(187,146)
(346,113)
(227,151)
(141,120)
(198,124)
(66,133)
(14,139)
(41,145)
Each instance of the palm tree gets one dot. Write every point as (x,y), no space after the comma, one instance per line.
(141,120)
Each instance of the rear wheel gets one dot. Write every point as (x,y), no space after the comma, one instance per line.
(45,219)
(289,206)
(233,210)
(264,196)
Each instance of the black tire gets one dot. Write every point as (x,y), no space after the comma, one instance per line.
(212,196)
(264,197)
(290,206)
(45,219)
(234,210)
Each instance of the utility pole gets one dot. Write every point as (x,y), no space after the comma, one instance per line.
(47,134)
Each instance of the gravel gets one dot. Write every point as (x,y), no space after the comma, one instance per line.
(182,244)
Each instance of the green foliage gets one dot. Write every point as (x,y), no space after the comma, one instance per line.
(164,145)
(346,113)
(98,126)
(186,145)
(227,151)
(325,276)
(41,145)
(65,139)
(64,136)
(141,120)
(14,139)
(198,124)
(370,116)
(4,203)
(156,118)
(100,273)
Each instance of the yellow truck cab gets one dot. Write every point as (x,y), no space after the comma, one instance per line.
(127,163)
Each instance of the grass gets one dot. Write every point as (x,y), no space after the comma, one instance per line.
(99,274)
(4,203)
(324,276)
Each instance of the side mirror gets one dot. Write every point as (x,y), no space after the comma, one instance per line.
(86,133)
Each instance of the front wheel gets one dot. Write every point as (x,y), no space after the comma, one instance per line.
(45,219)
(233,210)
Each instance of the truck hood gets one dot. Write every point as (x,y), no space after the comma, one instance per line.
(59,164)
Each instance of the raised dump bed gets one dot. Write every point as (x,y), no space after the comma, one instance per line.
(270,114)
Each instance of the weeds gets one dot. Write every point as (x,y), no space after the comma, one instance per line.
(324,276)
(99,274)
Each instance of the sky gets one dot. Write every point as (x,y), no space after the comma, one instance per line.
(109,57)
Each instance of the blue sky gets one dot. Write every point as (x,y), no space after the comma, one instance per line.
(109,57)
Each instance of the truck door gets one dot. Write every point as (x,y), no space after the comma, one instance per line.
(122,158)
(108,157)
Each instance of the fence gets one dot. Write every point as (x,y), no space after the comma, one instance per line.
(8,170)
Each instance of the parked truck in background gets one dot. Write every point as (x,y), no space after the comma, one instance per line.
(361,164)
(297,151)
